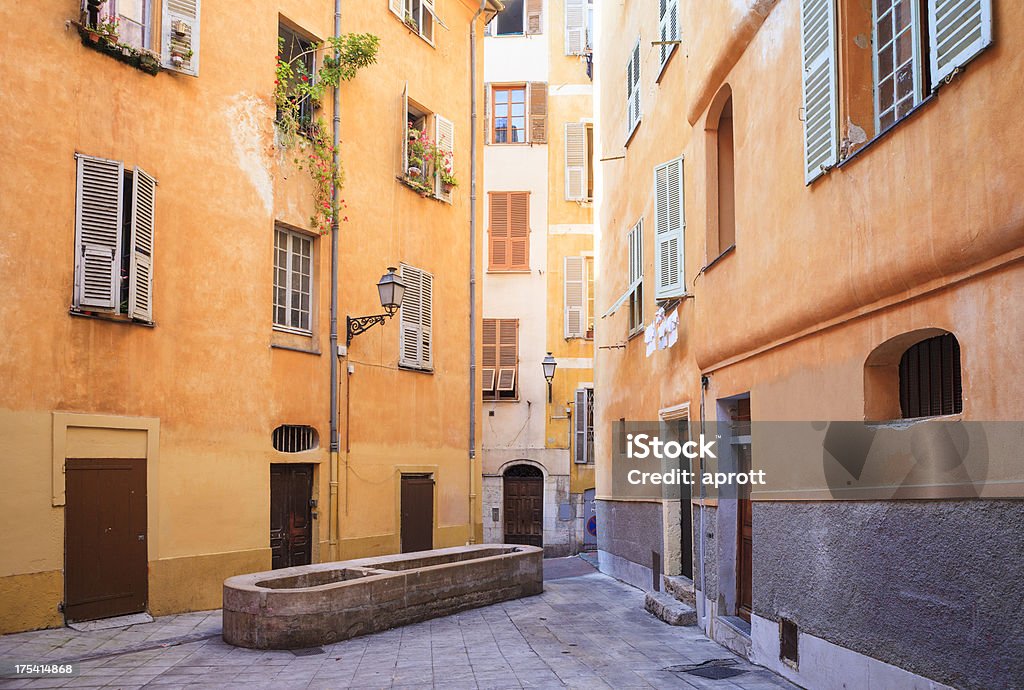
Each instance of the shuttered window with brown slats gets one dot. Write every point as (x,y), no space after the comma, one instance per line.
(930,383)
(509,247)
(500,359)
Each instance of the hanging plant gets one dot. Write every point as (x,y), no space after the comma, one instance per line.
(298,93)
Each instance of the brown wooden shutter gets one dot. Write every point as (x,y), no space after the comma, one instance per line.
(508,354)
(534,12)
(519,231)
(490,354)
(498,255)
(538,112)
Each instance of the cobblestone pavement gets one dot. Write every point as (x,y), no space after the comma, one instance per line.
(584,631)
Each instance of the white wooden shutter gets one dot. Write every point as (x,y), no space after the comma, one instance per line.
(397,8)
(669,224)
(140,273)
(426,320)
(579,418)
(636,252)
(575,161)
(179,29)
(403,165)
(409,319)
(98,233)
(444,135)
(633,90)
(821,113)
(574,281)
(957,31)
(575,27)
(668,28)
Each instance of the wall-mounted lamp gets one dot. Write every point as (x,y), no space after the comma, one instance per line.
(549,364)
(391,289)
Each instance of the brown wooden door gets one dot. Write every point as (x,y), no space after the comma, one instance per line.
(291,524)
(417,512)
(524,508)
(105,562)
(745,547)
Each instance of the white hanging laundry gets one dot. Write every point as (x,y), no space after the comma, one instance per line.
(650,338)
(672,328)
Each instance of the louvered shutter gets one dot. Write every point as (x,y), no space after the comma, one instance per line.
(957,31)
(633,90)
(575,161)
(579,418)
(519,230)
(489,361)
(426,320)
(508,354)
(575,27)
(498,250)
(538,112)
(534,13)
(98,232)
(487,113)
(403,165)
(444,135)
(575,296)
(410,318)
(821,123)
(636,252)
(668,27)
(140,273)
(396,8)
(179,27)
(669,222)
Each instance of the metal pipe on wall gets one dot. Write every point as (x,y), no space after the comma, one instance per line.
(333,512)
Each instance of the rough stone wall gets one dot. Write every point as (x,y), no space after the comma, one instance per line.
(629,531)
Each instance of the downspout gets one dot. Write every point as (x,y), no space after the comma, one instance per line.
(333,508)
(702,605)
(472,272)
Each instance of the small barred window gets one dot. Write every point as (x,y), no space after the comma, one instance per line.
(295,438)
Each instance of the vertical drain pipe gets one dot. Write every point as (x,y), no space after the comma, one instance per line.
(333,511)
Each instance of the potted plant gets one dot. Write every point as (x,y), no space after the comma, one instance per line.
(410,22)
(446,172)
(109,30)
(415,168)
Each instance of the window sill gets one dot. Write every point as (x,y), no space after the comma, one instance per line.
(422,190)
(278,328)
(146,61)
(871,143)
(714,262)
(112,318)
(418,370)
(509,271)
(637,332)
(501,400)
(632,132)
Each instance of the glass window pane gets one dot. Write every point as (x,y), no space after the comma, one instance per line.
(510,21)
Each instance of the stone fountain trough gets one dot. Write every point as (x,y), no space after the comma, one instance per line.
(312,605)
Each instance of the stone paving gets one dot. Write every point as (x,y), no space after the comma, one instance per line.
(585,631)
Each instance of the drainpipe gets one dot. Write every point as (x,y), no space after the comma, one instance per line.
(472,270)
(333,512)
(703,605)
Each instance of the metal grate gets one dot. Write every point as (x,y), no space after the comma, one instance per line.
(713,669)
(930,380)
(295,438)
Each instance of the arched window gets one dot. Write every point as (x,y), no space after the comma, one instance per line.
(930,382)
(721,176)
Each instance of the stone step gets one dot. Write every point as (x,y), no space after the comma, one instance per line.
(680,587)
(669,609)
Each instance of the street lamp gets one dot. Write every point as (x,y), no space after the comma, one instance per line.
(391,289)
(549,364)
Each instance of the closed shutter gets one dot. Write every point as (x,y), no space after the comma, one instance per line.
(957,31)
(444,135)
(821,123)
(410,318)
(669,224)
(575,161)
(538,112)
(575,296)
(140,274)
(498,248)
(668,28)
(396,8)
(508,354)
(534,13)
(633,90)
(575,27)
(426,320)
(519,231)
(579,417)
(487,113)
(490,355)
(179,27)
(98,232)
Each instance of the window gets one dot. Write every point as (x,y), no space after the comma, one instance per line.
(915,45)
(294,438)
(416,350)
(577,38)
(293,281)
(636,278)
(518,18)
(669,224)
(668,29)
(134,21)
(509,246)
(588,267)
(500,363)
(115,213)
(418,15)
(583,426)
(578,288)
(930,383)
(517,113)
(633,91)
(298,51)
(420,132)
(721,176)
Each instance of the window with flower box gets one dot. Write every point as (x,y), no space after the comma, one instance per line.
(428,151)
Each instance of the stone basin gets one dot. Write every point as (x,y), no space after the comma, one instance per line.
(313,605)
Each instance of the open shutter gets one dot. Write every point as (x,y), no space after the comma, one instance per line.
(575,161)
(821,117)
(534,13)
(957,31)
(668,229)
(498,249)
(538,112)
(668,28)
(179,28)
(575,27)
(519,231)
(409,317)
(633,89)
(396,8)
(575,294)
(508,354)
(140,273)
(403,165)
(487,113)
(98,232)
(489,361)
(444,135)
(426,320)
(579,419)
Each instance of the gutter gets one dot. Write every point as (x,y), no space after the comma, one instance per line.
(336,127)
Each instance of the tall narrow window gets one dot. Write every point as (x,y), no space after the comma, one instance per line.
(636,277)
(509,231)
(293,281)
(669,221)
(930,383)
(588,265)
(510,20)
(897,46)
(633,113)
(298,51)
(416,316)
(509,112)
(583,426)
(721,188)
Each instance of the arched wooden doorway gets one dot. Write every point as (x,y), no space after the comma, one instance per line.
(524,505)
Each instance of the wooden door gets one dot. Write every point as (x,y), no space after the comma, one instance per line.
(291,523)
(417,512)
(524,506)
(745,547)
(105,561)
